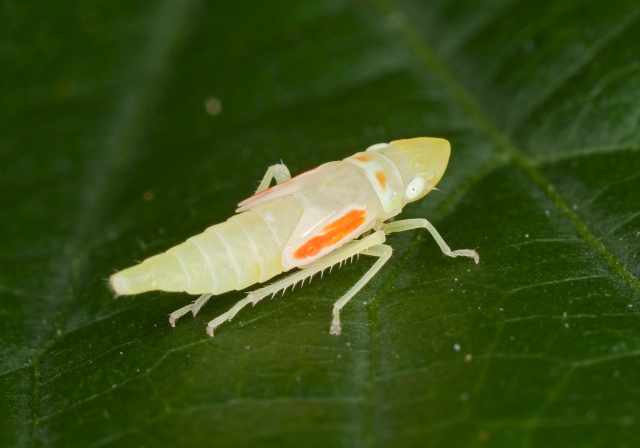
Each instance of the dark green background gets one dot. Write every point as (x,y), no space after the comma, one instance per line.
(108,155)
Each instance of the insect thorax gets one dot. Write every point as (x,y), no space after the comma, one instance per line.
(384,177)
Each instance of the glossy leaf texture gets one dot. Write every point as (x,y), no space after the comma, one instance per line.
(126,127)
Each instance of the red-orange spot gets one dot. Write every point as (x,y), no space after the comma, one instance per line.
(382,179)
(362,158)
(333,233)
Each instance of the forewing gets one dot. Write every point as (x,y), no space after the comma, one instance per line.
(323,228)
(286,188)
(339,205)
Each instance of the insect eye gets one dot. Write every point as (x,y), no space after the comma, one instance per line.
(415,188)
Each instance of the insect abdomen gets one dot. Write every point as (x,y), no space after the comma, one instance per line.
(244,250)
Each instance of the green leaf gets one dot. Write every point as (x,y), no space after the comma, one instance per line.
(126,127)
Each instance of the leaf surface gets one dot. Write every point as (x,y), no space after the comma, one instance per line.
(127,127)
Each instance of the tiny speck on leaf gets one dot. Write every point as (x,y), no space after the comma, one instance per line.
(213,106)
(528,45)
(484,435)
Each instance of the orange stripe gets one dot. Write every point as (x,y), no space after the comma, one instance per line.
(334,232)
(382,180)
(362,158)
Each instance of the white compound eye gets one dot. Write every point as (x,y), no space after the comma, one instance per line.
(415,188)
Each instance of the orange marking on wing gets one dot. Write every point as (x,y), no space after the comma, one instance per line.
(333,233)
(382,179)
(362,158)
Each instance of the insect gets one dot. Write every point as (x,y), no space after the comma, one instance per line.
(312,222)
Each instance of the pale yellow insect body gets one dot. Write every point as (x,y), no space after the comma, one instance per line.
(232,255)
(311,222)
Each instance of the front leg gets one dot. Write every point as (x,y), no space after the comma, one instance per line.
(280,172)
(409,224)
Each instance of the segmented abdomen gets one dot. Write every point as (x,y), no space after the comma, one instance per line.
(244,250)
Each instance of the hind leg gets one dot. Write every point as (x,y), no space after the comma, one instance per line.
(279,172)
(192,307)
(337,256)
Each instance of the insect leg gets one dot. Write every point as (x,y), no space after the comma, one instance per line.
(204,298)
(280,172)
(409,224)
(383,252)
(338,255)
(177,314)
(192,307)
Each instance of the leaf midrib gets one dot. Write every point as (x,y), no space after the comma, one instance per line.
(509,151)
(504,143)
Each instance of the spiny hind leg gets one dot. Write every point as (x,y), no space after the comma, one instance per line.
(337,256)
(192,307)
(383,252)
(420,223)
(280,172)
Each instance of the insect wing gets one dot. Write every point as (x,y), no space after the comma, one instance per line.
(338,207)
(286,188)
(323,228)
